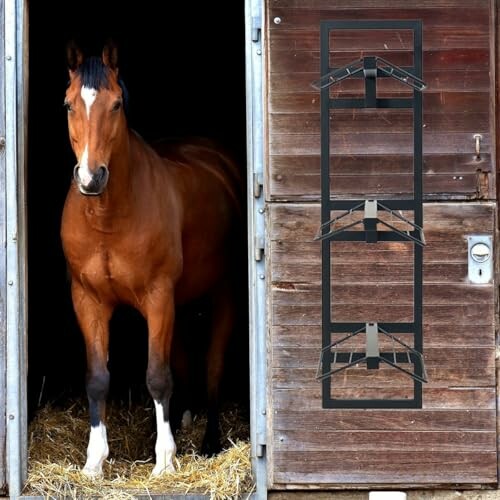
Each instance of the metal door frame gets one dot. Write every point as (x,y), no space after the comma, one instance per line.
(254,63)
(15,92)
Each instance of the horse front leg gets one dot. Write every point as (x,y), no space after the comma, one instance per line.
(160,318)
(93,318)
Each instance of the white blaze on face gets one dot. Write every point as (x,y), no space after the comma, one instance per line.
(88,95)
(84,171)
(165,444)
(97,451)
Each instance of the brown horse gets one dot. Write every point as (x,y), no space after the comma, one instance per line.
(148,229)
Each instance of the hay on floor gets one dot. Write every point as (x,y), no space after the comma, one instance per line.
(57,451)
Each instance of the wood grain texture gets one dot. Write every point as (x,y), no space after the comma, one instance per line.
(439,37)
(440,102)
(298,177)
(309,19)
(476,59)
(386,467)
(457,100)
(458,420)
(367,5)
(435,335)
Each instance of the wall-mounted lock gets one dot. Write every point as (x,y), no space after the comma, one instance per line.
(480,258)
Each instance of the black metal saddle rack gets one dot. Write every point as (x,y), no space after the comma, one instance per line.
(377,220)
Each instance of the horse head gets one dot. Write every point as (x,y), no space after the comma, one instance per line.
(96,118)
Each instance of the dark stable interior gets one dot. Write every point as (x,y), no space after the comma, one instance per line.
(183,66)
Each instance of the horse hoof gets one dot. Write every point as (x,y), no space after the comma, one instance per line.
(162,469)
(187,420)
(210,448)
(92,472)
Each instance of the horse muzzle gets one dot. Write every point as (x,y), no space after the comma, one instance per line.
(95,185)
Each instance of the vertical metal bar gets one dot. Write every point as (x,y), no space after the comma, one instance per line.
(15,250)
(372,346)
(325,211)
(370,72)
(256,225)
(418,209)
(417,127)
(3,264)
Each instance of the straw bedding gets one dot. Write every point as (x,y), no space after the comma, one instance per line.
(57,451)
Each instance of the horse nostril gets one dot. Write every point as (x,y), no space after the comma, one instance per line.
(101,174)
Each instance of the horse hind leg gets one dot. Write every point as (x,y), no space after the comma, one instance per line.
(223,321)
(181,402)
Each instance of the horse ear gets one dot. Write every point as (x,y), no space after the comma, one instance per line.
(110,55)
(74,57)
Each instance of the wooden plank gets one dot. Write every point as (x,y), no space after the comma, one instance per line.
(457,441)
(376,4)
(306,187)
(384,120)
(375,143)
(307,251)
(284,61)
(449,357)
(366,293)
(299,222)
(458,335)
(434,398)
(385,467)
(365,165)
(443,274)
(296,378)
(298,177)
(440,37)
(440,102)
(309,19)
(310,314)
(378,420)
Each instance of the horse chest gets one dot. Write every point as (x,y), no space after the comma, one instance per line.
(115,274)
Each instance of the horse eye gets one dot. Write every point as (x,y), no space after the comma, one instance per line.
(116,106)
(67,105)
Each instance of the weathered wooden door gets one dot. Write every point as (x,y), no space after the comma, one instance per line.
(451,440)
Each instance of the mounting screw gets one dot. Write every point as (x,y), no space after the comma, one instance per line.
(11,417)
(11,282)
(277,20)
(261,276)
(8,58)
(259,52)
(2,142)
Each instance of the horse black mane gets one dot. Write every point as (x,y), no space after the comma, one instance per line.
(95,74)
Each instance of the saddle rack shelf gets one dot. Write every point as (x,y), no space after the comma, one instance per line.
(371,221)
(341,360)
